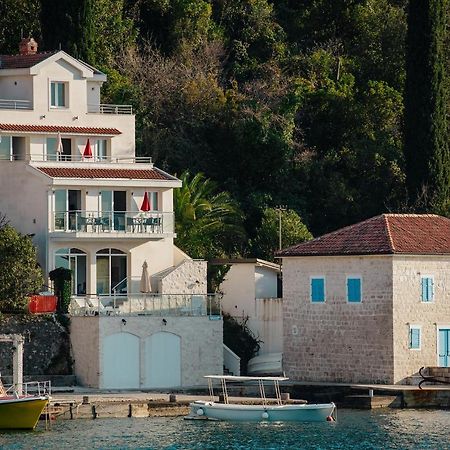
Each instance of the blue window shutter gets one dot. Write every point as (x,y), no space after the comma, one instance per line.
(424,290)
(317,290)
(430,289)
(354,290)
(414,338)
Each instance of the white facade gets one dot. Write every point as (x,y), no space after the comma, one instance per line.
(250,293)
(70,178)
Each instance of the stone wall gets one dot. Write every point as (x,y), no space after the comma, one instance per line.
(201,344)
(410,310)
(336,340)
(46,348)
(189,277)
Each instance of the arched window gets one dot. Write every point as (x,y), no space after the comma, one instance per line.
(111,271)
(75,260)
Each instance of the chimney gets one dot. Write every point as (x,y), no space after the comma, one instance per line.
(28,46)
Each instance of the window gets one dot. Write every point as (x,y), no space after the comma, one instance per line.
(427,283)
(5,147)
(354,289)
(414,337)
(58,94)
(75,260)
(153,199)
(317,289)
(111,272)
(101,149)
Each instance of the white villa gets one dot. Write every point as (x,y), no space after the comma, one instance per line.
(70,178)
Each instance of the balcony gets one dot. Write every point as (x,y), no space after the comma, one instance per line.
(110,109)
(123,223)
(147,304)
(15,104)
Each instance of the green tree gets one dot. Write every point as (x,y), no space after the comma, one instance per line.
(18,18)
(208,223)
(426,97)
(20,274)
(293,231)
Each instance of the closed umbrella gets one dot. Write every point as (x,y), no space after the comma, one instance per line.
(145,286)
(59,146)
(87,150)
(145,203)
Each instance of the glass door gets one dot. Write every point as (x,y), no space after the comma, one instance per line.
(60,209)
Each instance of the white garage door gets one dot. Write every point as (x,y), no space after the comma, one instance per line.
(162,360)
(120,361)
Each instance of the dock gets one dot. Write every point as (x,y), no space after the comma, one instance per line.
(85,403)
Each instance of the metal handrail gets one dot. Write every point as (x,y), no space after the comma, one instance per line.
(15,104)
(148,304)
(94,222)
(103,108)
(78,158)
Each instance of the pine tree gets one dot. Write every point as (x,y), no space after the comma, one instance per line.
(426,129)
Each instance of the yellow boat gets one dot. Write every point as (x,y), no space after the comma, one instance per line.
(22,412)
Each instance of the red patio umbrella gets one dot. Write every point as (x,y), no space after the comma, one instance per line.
(145,203)
(87,150)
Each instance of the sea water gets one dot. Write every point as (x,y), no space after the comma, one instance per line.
(378,429)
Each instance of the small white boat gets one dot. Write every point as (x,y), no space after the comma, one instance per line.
(265,411)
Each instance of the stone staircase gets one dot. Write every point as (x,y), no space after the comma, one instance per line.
(440,373)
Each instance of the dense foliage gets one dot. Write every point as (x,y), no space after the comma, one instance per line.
(426,132)
(278,102)
(20,274)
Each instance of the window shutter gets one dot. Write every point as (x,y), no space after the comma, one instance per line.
(414,338)
(424,289)
(317,289)
(354,290)
(430,289)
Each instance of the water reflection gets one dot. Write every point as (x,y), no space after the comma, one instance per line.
(381,429)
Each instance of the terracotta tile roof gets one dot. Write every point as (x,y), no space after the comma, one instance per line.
(57,128)
(418,234)
(93,173)
(23,61)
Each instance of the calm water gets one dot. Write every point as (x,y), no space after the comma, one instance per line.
(382,429)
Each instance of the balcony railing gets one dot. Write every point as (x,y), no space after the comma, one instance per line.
(110,109)
(92,159)
(148,304)
(129,222)
(15,104)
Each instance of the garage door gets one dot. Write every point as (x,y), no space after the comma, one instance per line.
(120,354)
(162,360)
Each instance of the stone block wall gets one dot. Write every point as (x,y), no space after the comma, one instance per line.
(337,341)
(201,344)
(46,347)
(189,277)
(410,310)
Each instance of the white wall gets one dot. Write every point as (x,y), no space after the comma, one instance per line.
(16,88)
(239,290)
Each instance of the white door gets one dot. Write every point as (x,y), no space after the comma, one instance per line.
(162,360)
(120,366)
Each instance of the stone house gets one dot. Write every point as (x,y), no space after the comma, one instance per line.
(369,302)
(69,176)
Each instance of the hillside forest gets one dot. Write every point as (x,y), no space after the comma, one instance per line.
(298,104)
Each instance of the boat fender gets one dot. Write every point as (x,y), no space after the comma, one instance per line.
(200,412)
(265,415)
(330,419)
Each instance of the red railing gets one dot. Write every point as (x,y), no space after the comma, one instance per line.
(42,304)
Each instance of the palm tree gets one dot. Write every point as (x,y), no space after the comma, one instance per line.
(208,223)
